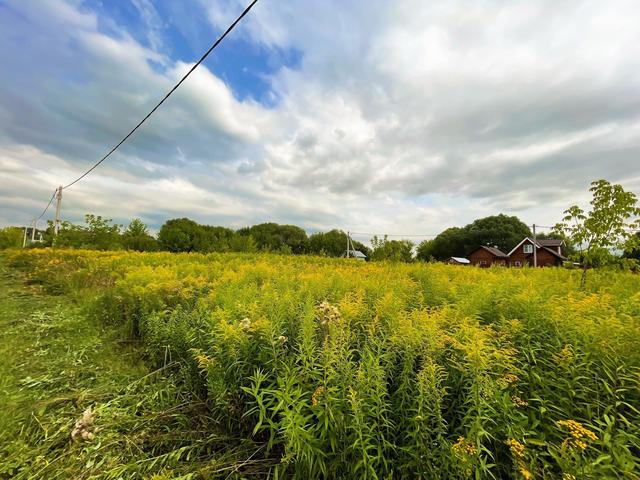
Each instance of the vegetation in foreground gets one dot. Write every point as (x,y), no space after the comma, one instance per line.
(78,401)
(340,369)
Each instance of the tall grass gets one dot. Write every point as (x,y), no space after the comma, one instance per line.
(352,370)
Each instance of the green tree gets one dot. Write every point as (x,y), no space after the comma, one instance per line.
(178,235)
(278,238)
(136,237)
(11,237)
(333,244)
(391,250)
(607,225)
(632,250)
(502,231)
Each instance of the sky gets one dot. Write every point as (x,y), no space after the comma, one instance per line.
(398,117)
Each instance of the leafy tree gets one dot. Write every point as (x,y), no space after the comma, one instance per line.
(333,244)
(178,235)
(632,251)
(212,239)
(391,250)
(242,243)
(137,237)
(11,237)
(278,238)
(502,231)
(101,234)
(605,226)
(451,242)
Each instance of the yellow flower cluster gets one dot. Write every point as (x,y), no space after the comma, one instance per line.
(517,448)
(464,448)
(315,398)
(518,402)
(525,472)
(565,356)
(578,434)
(568,476)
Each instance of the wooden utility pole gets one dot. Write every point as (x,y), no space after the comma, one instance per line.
(348,236)
(58,206)
(535,247)
(24,237)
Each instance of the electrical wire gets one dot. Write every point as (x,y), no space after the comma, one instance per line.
(206,54)
(394,234)
(48,205)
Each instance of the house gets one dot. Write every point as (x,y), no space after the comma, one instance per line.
(457,261)
(357,254)
(548,253)
(484,256)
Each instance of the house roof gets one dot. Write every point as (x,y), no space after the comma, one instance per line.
(460,259)
(550,242)
(355,254)
(542,244)
(554,252)
(494,251)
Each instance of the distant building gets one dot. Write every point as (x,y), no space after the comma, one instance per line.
(357,254)
(458,261)
(548,253)
(488,256)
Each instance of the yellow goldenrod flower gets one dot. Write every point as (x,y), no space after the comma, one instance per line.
(578,434)
(464,447)
(517,448)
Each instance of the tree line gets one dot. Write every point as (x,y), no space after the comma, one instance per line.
(592,237)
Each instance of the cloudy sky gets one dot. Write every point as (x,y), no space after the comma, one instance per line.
(382,116)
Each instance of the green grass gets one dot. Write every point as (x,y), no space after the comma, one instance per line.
(55,362)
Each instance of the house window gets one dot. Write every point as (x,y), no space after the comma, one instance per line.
(483,263)
(528,248)
(517,263)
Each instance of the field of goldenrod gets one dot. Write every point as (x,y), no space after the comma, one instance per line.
(345,369)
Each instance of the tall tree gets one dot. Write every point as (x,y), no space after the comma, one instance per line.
(11,237)
(333,244)
(136,237)
(278,238)
(501,231)
(179,235)
(609,224)
(391,250)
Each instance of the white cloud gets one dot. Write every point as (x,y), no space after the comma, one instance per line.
(405,116)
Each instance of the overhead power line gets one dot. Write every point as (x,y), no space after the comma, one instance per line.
(48,205)
(206,54)
(395,234)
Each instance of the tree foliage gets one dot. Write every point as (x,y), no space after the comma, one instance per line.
(501,230)
(607,226)
(333,244)
(137,237)
(11,237)
(391,250)
(273,237)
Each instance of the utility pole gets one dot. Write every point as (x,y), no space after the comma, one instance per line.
(348,236)
(58,205)
(535,247)
(24,237)
(33,231)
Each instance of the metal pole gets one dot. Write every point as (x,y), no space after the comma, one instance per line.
(24,237)
(58,205)
(348,243)
(535,247)
(33,231)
